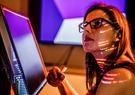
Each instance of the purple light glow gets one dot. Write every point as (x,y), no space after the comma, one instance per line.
(72,8)
(56,13)
(50,21)
(20,23)
(24,45)
(77,8)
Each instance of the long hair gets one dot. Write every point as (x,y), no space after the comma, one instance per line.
(121,26)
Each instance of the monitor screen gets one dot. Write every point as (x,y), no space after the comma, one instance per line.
(59,19)
(24,50)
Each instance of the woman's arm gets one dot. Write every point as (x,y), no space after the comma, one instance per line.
(66,89)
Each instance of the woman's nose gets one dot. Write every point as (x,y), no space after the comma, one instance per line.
(87,31)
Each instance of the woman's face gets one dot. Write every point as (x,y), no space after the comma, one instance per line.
(98,33)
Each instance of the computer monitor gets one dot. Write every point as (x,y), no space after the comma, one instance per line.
(25,67)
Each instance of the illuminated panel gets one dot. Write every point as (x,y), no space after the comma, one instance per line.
(69,35)
(58,19)
(51,20)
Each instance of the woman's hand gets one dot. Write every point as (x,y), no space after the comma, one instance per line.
(55,76)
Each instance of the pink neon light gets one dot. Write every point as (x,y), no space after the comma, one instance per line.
(108,78)
(111,75)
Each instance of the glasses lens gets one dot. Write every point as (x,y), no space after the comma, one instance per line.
(96,23)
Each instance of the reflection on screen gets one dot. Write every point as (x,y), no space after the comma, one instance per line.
(27,52)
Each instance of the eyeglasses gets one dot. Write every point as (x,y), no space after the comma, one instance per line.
(94,24)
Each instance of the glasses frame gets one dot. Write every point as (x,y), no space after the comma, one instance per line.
(90,23)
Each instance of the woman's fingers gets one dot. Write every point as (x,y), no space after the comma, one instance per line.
(55,71)
(55,76)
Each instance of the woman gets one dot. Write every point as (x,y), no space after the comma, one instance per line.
(109,59)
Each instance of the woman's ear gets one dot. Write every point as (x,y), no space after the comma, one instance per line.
(117,36)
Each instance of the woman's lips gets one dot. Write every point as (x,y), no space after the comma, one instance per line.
(88,39)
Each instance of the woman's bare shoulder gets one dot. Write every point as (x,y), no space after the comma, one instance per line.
(118,75)
(116,82)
